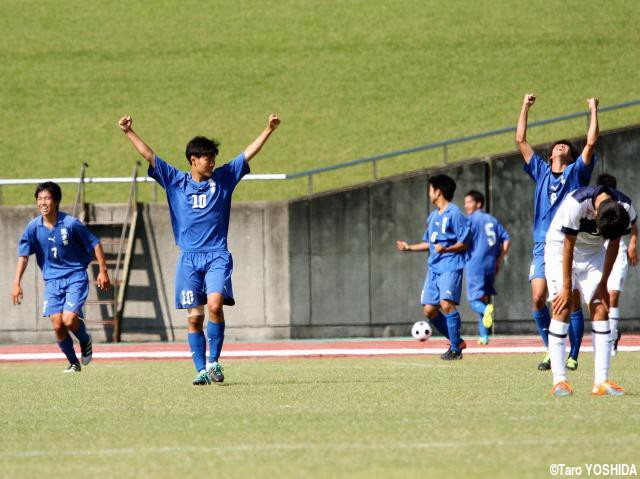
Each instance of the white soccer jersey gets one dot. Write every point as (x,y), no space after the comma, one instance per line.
(577,216)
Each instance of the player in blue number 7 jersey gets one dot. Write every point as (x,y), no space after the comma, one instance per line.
(200,205)
(564,172)
(64,247)
(490,245)
(447,239)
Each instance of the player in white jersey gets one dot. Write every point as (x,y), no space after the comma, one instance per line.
(627,255)
(577,256)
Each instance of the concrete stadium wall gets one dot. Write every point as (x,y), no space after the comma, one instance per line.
(347,279)
(325,265)
(258,243)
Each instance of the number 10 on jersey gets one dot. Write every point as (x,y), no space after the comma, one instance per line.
(199,201)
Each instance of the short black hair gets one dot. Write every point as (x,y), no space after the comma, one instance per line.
(612,219)
(477,196)
(445,184)
(572,149)
(605,179)
(52,188)
(201,146)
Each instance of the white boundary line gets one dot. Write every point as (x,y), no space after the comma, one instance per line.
(256,448)
(295,353)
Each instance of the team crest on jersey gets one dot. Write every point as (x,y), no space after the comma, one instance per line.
(212,185)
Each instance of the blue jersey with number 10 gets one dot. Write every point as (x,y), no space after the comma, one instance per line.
(488,236)
(552,188)
(200,210)
(446,228)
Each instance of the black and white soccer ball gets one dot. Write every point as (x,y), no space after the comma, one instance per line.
(421,330)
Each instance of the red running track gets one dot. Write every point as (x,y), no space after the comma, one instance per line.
(296,348)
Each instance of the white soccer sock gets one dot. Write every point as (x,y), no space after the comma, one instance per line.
(614,316)
(557,349)
(601,337)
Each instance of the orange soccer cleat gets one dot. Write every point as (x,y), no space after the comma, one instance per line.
(607,388)
(563,388)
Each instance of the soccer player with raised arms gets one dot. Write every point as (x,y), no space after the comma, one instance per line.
(64,247)
(564,172)
(447,239)
(581,248)
(200,205)
(490,244)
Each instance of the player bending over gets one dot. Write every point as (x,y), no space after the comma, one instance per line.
(64,247)
(199,206)
(490,245)
(446,238)
(581,248)
(627,254)
(564,172)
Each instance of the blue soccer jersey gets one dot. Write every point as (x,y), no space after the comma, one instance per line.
(446,228)
(200,210)
(488,236)
(552,188)
(60,251)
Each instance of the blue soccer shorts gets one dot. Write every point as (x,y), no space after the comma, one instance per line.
(536,270)
(442,286)
(480,285)
(200,274)
(66,294)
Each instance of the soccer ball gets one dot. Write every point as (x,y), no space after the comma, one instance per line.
(421,330)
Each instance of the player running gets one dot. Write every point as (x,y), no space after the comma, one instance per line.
(627,254)
(581,247)
(64,247)
(490,244)
(447,239)
(564,172)
(199,206)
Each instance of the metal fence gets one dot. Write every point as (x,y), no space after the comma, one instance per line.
(372,160)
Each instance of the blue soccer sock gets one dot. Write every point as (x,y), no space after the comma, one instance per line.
(453,325)
(440,323)
(198,346)
(215,332)
(81,333)
(66,346)
(576,331)
(543,319)
(479,307)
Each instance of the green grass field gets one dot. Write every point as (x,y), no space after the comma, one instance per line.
(349,79)
(487,416)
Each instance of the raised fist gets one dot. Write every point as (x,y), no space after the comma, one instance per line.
(125,123)
(274,121)
(529,99)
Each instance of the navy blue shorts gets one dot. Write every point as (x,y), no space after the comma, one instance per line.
(200,274)
(66,294)
(439,286)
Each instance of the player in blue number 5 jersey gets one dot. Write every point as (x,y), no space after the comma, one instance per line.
(564,172)
(489,247)
(200,205)
(64,247)
(447,239)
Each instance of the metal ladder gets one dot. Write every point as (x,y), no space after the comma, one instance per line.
(117,238)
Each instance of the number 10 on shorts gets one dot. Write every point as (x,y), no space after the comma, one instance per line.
(187,297)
